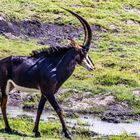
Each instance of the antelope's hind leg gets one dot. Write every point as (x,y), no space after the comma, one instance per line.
(3,108)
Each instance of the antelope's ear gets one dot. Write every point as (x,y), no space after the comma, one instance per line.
(74,44)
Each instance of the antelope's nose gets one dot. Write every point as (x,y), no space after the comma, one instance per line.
(92,68)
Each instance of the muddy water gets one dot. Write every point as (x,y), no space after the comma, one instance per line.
(86,122)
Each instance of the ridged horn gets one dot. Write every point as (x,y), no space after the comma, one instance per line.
(87,30)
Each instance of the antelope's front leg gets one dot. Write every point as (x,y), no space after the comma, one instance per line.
(39,112)
(58,110)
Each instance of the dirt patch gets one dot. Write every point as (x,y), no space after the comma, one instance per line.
(130,9)
(46,33)
(119,112)
(104,106)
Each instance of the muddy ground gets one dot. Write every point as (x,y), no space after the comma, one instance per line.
(104,106)
(46,34)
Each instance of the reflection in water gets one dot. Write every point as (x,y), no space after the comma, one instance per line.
(87,122)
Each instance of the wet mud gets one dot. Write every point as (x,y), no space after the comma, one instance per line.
(113,113)
(45,33)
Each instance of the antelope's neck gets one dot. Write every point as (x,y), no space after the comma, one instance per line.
(66,66)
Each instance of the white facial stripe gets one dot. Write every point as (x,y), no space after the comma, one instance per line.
(88,64)
(89,61)
(17,87)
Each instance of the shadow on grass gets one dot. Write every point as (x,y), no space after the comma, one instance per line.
(15,132)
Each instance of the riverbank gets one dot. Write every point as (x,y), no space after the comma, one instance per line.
(50,128)
(103,106)
(86,124)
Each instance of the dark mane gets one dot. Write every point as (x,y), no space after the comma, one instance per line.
(51,51)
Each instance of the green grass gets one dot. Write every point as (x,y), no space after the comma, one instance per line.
(22,129)
(116,51)
(16,47)
(123,137)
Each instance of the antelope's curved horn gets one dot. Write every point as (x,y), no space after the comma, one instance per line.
(87,30)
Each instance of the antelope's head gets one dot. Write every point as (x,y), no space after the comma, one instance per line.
(84,59)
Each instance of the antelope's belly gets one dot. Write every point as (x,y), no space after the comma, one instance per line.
(11,84)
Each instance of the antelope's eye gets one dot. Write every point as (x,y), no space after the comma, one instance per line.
(83,53)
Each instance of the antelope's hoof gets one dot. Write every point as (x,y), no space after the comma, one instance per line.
(68,135)
(8,130)
(37,134)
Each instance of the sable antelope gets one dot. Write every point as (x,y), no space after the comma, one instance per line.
(45,70)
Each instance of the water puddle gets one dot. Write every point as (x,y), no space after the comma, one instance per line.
(85,122)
